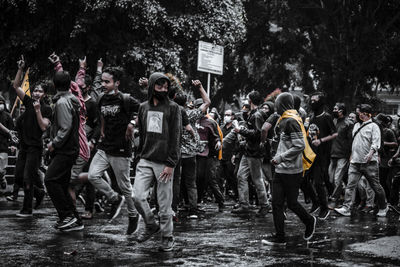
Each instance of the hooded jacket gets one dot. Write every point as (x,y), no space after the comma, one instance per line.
(159,127)
(252,133)
(65,129)
(291,143)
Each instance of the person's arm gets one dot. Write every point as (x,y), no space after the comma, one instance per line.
(376,141)
(55,60)
(97,88)
(43,122)
(391,142)
(204,96)
(253,133)
(80,75)
(17,81)
(264,131)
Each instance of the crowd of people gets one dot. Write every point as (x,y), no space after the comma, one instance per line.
(83,142)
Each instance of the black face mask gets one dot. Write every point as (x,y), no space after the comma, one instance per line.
(161,96)
(245,115)
(335,114)
(358,119)
(316,106)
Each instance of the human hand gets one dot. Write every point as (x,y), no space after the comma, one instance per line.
(218,145)
(316,142)
(50,147)
(82,63)
(129,132)
(143,82)
(166,174)
(100,65)
(21,63)
(54,58)
(197,84)
(36,105)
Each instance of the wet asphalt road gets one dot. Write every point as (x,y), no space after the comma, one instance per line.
(214,239)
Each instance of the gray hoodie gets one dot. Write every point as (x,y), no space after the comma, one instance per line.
(291,142)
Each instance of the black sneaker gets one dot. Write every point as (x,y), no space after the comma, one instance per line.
(39,198)
(98,206)
(323,214)
(67,222)
(274,240)
(82,199)
(148,232)
(76,226)
(132,225)
(263,212)
(313,209)
(167,244)
(310,229)
(24,214)
(241,210)
(116,207)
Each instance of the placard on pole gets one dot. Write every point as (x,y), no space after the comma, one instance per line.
(211,60)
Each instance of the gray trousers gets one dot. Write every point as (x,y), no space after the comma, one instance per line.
(337,170)
(250,166)
(146,172)
(120,165)
(371,172)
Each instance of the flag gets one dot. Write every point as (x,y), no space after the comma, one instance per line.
(25,84)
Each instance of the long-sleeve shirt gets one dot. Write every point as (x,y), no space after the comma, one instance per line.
(369,137)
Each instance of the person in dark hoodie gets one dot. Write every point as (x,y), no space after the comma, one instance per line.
(64,148)
(160,125)
(288,171)
(115,146)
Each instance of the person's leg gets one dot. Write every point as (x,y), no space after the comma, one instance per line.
(201,179)
(31,177)
(176,186)
(74,182)
(369,192)
(19,173)
(394,196)
(383,178)
(258,179)
(121,166)
(141,187)
(339,173)
(99,164)
(212,164)
(278,201)
(56,180)
(189,179)
(354,177)
(3,165)
(371,173)
(319,184)
(243,186)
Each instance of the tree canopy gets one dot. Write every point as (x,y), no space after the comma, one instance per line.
(346,48)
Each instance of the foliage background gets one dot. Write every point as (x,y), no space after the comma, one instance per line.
(347,48)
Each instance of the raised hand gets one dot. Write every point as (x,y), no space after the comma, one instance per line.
(54,58)
(82,63)
(100,65)
(21,62)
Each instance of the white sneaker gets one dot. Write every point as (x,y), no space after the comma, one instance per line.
(383,212)
(343,211)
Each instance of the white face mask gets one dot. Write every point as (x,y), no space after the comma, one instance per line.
(227,119)
(2,107)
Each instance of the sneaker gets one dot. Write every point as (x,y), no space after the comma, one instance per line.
(314,209)
(39,198)
(167,244)
(116,207)
(98,206)
(82,199)
(87,215)
(193,216)
(132,225)
(343,211)
(310,229)
(263,212)
(383,212)
(274,240)
(148,233)
(12,198)
(241,210)
(24,214)
(67,222)
(76,226)
(323,214)
(367,209)
(221,207)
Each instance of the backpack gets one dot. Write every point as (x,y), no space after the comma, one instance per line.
(308,154)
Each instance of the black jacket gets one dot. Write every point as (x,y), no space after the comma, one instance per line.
(252,133)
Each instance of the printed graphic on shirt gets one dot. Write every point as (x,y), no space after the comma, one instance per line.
(155,121)
(313,131)
(110,110)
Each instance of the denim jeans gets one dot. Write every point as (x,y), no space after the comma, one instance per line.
(146,172)
(285,188)
(366,192)
(371,172)
(337,170)
(120,167)
(250,166)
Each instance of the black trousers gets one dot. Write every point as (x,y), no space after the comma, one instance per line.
(27,174)
(285,187)
(317,176)
(227,172)
(206,170)
(57,180)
